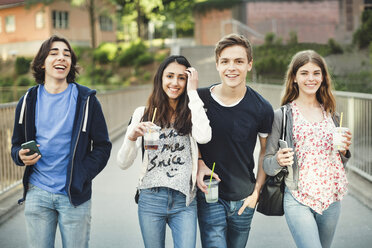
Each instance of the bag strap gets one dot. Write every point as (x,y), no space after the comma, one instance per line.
(284,122)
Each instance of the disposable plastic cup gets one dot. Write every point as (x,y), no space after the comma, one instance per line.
(151,138)
(338,139)
(212,195)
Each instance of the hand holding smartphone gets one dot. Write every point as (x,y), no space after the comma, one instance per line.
(285,158)
(32,146)
(283,144)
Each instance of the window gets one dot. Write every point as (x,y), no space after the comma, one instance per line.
(39,20)
(105,23)
(60,19)
(10,24)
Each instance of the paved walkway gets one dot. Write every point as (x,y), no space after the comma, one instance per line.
(115,223)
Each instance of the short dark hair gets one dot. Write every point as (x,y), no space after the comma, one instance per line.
(233,40)
(37,65)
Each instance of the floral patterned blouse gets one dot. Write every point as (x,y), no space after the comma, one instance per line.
(322,178)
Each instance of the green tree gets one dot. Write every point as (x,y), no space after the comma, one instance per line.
(144,11)
(363,35)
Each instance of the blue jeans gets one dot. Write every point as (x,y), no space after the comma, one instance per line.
(43,210)
(308,228)
(220,225)
(159,206)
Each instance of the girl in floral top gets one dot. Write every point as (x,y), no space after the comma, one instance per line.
(316,181)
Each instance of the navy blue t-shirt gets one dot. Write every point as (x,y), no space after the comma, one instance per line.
(234,136)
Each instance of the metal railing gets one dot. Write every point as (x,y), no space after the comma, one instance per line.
(117,107)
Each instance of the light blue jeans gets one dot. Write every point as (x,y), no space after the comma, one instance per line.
(220,225)
(310,229)
(159,206)
(43,210)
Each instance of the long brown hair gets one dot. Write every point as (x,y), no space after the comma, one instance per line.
(159,99)
(324,94)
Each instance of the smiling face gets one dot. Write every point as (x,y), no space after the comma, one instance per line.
(309,78)
(58,63)
(174,81)
(233,66)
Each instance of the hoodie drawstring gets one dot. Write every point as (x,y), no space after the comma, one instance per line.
(86,116)
(20,121)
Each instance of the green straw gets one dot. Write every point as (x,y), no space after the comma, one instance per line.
(210,180)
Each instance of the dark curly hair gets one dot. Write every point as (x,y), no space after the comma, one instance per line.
(38,62)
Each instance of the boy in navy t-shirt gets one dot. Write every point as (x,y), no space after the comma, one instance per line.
(237,115)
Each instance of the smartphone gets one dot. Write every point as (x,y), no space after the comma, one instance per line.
(32,146)
(283,144)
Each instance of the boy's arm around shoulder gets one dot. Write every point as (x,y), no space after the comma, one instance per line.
(98,157)
(128,150)
(270,164)
(201,130)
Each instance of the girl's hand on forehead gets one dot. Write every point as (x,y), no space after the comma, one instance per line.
(192,78)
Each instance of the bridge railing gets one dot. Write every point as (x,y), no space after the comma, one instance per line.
(117,107)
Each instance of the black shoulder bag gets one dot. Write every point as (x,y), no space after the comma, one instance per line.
(272,193)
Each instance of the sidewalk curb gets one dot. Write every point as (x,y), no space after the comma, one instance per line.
(9,203)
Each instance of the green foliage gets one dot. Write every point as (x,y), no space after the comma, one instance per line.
(272,59)
(147,76)
(22,65)
(144,59)
(97,76)
(270,65)
(269,39)
(101,56)
(24,81)
(159,57)
(80,51)
(354,82)
(370,54)
(128,56)
(363,35)
(293,40)
(6,81)
(335,48)
(180,12)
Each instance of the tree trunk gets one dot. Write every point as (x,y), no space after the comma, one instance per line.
(138,7)
(92,20)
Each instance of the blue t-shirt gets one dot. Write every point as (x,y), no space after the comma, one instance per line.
(234,136)
(54,119)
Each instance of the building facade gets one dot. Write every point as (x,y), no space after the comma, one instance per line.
(23,28)
(312,20)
